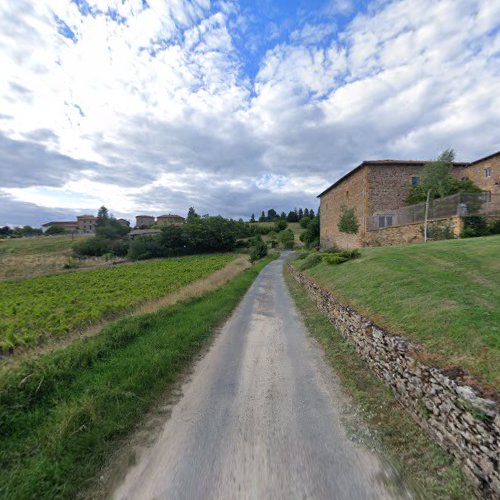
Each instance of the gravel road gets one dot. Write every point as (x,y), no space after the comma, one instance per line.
(259,418)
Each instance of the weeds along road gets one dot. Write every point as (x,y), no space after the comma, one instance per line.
(258,419)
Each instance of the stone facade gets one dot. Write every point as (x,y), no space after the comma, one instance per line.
(459,417)
(169,220)
(409,233)
(477,173)
(86,224)
(380,187)
(144,221)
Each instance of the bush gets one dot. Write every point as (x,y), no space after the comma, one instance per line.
(475,226)
(304,222)
(120,248)
(145,248)
(312,260)
(286,238)
(302,255)
(280,225)
(341,257)
(437,231)
(54,230)
(92,247)
(495,227)
(310,236)
(259,250)
(348,222)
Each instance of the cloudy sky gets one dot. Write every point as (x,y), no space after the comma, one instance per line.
(152,106)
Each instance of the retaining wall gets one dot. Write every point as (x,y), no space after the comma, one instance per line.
(458,416)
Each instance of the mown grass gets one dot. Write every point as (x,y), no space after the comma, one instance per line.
(445,295)
(428,470)
(62,414)
(40,308)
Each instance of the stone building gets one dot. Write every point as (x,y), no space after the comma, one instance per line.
(86,224)
(70,226)
(379,187)
(169,220)
(144,221)
(123,222)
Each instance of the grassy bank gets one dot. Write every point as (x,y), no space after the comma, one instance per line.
(36,309)
(428,470)
(445,295)
(62,414)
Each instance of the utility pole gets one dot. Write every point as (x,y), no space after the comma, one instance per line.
(426,213)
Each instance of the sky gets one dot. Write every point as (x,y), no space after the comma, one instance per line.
(233,107)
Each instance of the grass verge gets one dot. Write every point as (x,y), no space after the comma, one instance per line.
(427,469)
(443,294)
(62,414)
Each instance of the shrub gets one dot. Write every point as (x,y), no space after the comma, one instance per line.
(312,260)
(348,222)
(259,250)
(94,246)
(474,226)
(437,231)
(54,230)
(286,238)
(304,222)
(280,225)
(341,257)
(302,255)
(310,236)
(146,248)
(495,227)
(120,248)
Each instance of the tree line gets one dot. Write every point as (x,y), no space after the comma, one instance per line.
(293,216)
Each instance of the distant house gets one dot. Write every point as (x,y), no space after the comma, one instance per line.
(86,224)
(69,226)
(144,221)
(380,187)
(169,220)
(123,222)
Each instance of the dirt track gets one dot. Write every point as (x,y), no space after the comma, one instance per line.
(259,419)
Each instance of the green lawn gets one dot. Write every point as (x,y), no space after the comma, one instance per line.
(445,295)
(39,308)
(63,414)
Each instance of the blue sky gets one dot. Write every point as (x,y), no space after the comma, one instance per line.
(232,106)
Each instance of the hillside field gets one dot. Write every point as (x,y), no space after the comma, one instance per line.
(445,295)
(28,257)
(50,306)
(294,226)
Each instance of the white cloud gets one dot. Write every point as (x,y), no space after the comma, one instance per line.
(150,107)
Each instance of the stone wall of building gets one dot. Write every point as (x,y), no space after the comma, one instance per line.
(460,418)
(410,233)
(476,173)
(351,193)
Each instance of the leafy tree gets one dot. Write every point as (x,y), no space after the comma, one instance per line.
(273,238)
(283,216)
(306,212)
(300,214)
(286,238)
(292,216)
(192,214)
(310,237)
(436,176)
(252,219)
(54,230)
(348,222)
(280,224)
(209,234)
(6,231)
(259,249)
(262,217)
(271,214)
(171,237)
(304,222)
(102,215)
(311,213)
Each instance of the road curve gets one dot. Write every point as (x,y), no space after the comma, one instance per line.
(258,419)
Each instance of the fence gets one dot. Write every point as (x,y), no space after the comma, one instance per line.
(461,204)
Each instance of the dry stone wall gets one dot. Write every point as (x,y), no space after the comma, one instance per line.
(463,421)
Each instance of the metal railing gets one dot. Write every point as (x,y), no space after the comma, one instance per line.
(461,204)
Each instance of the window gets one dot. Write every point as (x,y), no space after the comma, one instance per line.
(414,181)
(487,172)
(384,220)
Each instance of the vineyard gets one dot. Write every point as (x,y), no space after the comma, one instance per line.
(36,309)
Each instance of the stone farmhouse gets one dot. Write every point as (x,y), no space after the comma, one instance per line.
(69,226)
(84,224)
(380,187)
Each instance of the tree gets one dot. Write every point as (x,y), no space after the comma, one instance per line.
(108,227)
(192,214)
(286,238)
(102,215)
(53,230)
(292,216)
(280,224)
(300,214)
(258,250)
(311,213)
(310,237)
(262,217)
(348,222)
(283,216)
(271,214)
(436,176)
(304,222)
(252,219)
(306,212)
(6,231)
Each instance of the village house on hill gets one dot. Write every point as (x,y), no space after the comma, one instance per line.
(146,221)
(377,189)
